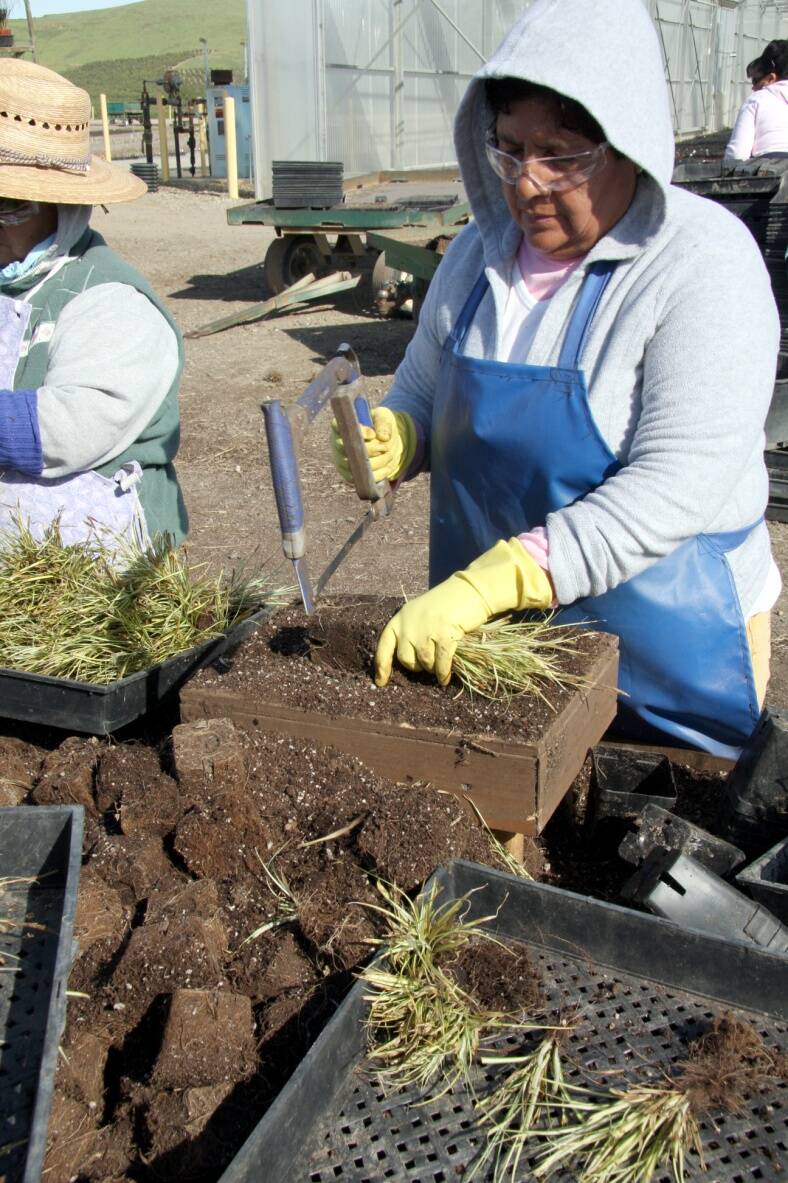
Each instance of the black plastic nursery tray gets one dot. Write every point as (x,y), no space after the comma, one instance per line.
(100,710)
(643,986)
(44,844)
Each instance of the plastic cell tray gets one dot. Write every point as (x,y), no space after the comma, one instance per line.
(43,844)
(642,986)
(102,709)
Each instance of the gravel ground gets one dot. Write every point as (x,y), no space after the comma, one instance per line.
(205,269)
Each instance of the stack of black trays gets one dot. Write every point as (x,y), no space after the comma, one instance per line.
(307,184)
(767,221)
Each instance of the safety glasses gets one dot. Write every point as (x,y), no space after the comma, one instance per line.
(548,174)
(14,213)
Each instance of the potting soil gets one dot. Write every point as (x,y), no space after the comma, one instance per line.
(213,943)
(325,663)
(183,1025)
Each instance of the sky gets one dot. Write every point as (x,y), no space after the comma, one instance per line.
(46,7)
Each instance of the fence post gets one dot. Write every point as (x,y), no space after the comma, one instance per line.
(164,148)
(232,154)
(105,127)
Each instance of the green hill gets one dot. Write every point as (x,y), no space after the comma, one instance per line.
(112,49)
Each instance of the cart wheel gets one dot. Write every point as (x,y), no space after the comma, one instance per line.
(390,288)
(289,259)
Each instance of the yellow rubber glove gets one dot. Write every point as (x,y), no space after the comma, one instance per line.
(424,633)
(391,445)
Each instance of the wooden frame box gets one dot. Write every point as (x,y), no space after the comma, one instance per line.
(515,786)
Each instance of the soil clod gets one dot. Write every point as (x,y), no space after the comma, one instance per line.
(499,978)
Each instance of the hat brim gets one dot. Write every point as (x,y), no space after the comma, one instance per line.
(102,184)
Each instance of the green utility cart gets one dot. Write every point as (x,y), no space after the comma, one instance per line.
(338,239)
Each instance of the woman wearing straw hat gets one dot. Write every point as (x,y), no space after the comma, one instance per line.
(90,359)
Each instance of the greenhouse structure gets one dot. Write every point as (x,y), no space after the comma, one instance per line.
(375,83)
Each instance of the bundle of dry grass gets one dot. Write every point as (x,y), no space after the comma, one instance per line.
(97,613)
(421,1022)
(628,1136)
(506,657)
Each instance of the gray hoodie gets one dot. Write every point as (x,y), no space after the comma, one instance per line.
(680,360)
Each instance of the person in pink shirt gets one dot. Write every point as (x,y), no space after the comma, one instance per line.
(761,127)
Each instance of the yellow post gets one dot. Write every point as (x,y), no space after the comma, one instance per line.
(232,155)
(203,138)
(164,150)
(105,127)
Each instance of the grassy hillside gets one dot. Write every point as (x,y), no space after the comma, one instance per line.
(112,49)
(121,81)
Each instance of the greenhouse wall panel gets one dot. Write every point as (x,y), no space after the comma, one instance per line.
(376,83)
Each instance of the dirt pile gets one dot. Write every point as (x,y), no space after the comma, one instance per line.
(220,920)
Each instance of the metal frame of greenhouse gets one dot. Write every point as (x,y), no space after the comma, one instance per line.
(375,83)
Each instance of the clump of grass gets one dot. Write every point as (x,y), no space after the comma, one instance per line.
(286,902)
(507,657)
(96,613)
(627,1137)
(533,1093)
(726,1064)
(634,1132)
(421,1022)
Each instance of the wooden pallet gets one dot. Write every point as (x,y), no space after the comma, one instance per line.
(516,787)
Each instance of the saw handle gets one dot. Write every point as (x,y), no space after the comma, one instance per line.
(362,411)
(287,484)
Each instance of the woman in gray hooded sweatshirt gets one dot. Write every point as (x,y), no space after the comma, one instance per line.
(588,386)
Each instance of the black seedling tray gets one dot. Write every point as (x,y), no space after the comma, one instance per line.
(100,710)
(767,880)
(642,986)
(777,468)
(43,843)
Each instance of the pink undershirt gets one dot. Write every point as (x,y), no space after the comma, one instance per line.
(543,277)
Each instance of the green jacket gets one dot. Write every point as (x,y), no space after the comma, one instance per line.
(95,263)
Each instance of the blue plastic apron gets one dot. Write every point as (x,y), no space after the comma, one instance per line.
(512,443)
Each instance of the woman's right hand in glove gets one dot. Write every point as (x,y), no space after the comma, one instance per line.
(390,444)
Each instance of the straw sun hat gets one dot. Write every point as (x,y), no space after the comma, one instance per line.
(45,142)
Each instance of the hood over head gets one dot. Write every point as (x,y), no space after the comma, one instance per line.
(72,222)
(605,55)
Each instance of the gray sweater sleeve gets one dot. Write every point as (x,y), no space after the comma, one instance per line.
(112,359)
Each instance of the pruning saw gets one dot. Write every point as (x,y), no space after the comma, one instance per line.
(285,429)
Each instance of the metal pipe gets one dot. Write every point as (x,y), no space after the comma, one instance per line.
(457,29)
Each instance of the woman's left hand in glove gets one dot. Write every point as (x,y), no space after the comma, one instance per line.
(424,633)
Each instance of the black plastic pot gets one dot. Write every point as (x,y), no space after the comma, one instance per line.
(767,880)
(656,828)
(149,173)
(623,783)
(680,889)
(757,788)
